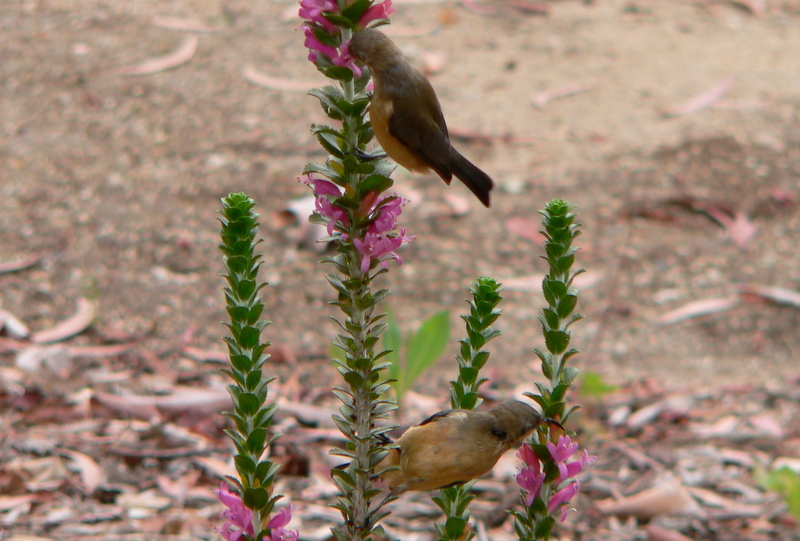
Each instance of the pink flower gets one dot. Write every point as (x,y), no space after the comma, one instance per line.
(375,12)
(563,497)
(338,57)
(388,214)
(526,455)
(563,450)
(276,526)
(324,190)
(531,477)
(238,518)
(312,10)
(378,245)
(383,236)
(530,480)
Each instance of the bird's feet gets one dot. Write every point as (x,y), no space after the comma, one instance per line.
(366,156)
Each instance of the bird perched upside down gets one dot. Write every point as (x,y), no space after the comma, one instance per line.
(455,446)
(407,118)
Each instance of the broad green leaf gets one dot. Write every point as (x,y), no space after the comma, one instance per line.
(426,345)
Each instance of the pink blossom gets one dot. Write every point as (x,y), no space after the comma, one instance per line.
(238,518)
(571,469)
(324,190)
(563,497)
(315,47)
(563,450)
(531,480)
(312,10)
(276,526)
(526,455)
(375,12)
(338,57)
(388,215)
(379,240)
(378,245)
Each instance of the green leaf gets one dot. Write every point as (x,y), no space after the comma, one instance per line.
(339,73)
(556,341)
(255,498)
(354,11)
(426,345)
(374,183)
(454,527)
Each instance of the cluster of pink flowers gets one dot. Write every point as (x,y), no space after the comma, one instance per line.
(315,22)
(382,236)
(239,519)
(531,477)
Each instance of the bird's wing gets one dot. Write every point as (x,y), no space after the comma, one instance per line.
(424,131)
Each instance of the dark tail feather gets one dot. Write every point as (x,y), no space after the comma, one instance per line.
(476,180)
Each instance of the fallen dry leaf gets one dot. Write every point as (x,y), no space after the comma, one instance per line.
(55,359)
(179,23)
(252,76)
(181,55)
(698,308)
(722,507)
(660,534)
(778,295)
(720,429)
(669,497)
(525,228)
(75,324)
(541,99)
(701,101)
(20,264)
(755,7)
(12,325)
(91,474)
(739,227)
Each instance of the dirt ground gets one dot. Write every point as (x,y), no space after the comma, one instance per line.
(115,181)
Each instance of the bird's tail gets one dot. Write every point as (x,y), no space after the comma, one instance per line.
(476,180)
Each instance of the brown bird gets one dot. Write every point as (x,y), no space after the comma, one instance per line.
(455,446)
(407,118)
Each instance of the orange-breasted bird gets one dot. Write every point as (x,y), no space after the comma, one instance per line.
(407,118)
(455,446)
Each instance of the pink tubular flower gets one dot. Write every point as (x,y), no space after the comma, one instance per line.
(375,12)
(238,518)
(338,57)
(383,236)
(311,10)
(276,526)
(561,498)
(531,477)
(378,245)
(324,190)
(563,450)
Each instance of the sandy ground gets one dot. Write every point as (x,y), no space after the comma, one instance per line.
(116,180)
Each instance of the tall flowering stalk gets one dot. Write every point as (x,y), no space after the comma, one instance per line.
(454,501)
(548,478)
(362,221)
(248,511)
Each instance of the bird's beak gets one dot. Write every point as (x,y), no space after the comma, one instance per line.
(553,422)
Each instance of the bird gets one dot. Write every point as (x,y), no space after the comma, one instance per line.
(455,446)
(407,118)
